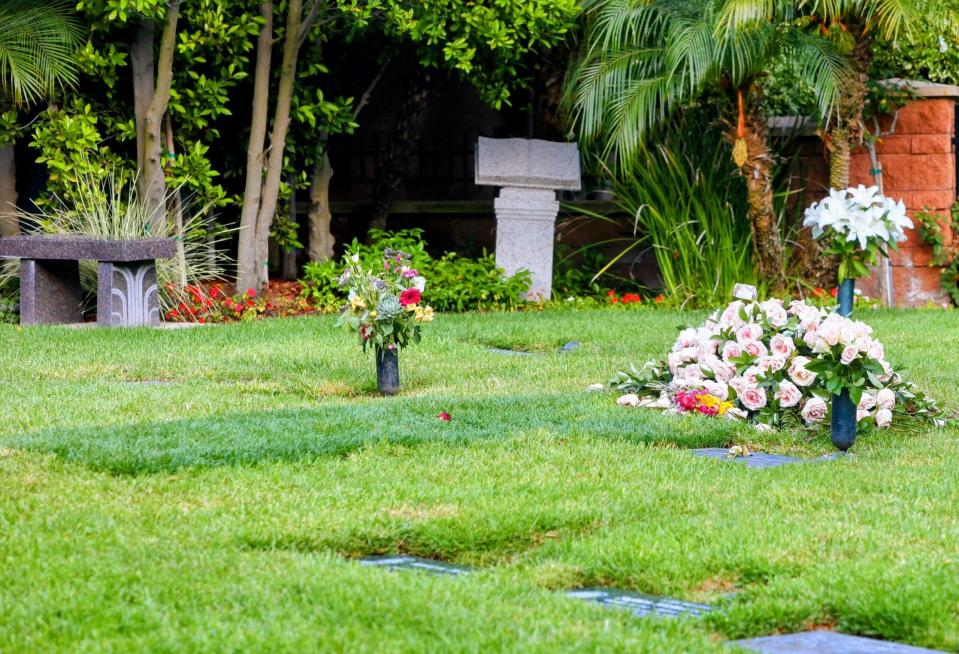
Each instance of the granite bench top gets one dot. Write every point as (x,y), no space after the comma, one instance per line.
(76,247)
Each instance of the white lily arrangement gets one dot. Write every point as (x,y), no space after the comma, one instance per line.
(858,224)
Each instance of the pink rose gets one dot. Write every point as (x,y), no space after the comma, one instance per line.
(724,372)
(849,354)
(867,402)
(886,399)
(814,411)
(887,371)
(730,316)
(876,351)
(731,350)
(751,375)
(718,389)
(768,363)
(738,384)
(686,338)
(775,313)
(788,394)
(749,332)
(798,373)
(781,345)
(829,332)
(883,418)
(755,348)
(753,398)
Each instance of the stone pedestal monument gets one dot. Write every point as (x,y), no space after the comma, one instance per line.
(529,172)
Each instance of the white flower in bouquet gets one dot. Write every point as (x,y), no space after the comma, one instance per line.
(858,224)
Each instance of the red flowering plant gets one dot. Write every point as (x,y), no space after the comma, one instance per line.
(626,298)
(385,308)
(212,304)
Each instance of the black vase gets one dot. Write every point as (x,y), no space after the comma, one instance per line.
(843,424)
(387,371)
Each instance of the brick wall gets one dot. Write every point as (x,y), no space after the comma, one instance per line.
(919,166)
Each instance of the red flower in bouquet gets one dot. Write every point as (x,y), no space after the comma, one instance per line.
(410,296)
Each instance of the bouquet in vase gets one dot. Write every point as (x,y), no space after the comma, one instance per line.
(858,225)
(385,308)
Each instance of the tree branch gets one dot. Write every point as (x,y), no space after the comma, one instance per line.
(307,23)
(365,98)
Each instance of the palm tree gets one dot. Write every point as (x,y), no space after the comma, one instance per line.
(37,45)
(644,59)
(852,26)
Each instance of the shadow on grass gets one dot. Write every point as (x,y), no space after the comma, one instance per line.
(340,427)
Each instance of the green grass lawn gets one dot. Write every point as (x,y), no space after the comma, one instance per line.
(204,489)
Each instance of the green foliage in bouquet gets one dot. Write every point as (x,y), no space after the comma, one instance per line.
(384,307)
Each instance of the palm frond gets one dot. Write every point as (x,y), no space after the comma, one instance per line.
(38,42)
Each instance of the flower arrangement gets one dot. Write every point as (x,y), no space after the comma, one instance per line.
(385,308)
(771,364)
(858,224)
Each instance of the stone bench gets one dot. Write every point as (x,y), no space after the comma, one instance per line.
(50,278)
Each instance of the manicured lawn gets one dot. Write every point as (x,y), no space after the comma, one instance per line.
(201,490)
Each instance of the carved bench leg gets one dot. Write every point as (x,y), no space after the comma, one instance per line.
(127,294)
(50,292)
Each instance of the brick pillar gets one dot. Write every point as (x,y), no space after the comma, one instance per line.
(918,166)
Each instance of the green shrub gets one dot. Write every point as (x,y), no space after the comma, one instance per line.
(454,283)
(687,207)
(926,52)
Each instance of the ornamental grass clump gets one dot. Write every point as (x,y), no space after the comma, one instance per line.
(858,225)
(776,365)
(385,308)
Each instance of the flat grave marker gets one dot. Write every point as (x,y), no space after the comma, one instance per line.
(640,604)
(760,459)
(569,347)
(825,642)
(414,563)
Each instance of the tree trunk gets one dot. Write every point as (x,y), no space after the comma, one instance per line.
(843,135)
(321,238)
(757,171)
(281,122)
(176,208)
(9,222)
(152,182)
(247,263)
(391,170)
(141,66)
(259,204)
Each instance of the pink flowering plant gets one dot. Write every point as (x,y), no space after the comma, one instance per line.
(858,225)
(773,365)
(385,308)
